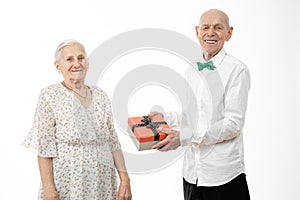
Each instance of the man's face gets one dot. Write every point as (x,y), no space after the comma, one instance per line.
(212,32)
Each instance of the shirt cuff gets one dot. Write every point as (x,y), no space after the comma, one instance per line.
(199,136)
(185,136)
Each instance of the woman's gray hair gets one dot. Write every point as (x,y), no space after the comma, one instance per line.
(64,44)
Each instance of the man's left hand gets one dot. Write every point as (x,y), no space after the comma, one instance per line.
(171,142)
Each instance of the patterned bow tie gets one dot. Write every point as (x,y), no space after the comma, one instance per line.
(209,65)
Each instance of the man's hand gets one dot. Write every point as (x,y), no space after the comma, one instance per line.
(171,142)
(154,113)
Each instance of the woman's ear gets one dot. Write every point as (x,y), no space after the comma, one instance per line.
(57,66)
(87,64)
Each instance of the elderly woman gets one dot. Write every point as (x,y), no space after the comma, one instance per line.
(74,137)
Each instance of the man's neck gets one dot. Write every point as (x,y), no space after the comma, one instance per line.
(208,56)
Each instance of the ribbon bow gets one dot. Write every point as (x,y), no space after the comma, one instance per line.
(209,65)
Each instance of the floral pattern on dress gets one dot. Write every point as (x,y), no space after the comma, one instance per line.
(80,140)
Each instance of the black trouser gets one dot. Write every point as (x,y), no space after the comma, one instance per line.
(236,189)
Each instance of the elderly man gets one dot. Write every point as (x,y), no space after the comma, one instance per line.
(214,160)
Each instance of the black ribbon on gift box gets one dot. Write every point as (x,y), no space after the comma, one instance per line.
(149,124)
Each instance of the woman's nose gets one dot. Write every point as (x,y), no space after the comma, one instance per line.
(77,62)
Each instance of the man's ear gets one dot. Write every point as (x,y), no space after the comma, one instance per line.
(229,34)
(197,30)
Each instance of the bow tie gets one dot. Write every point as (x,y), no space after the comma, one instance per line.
(209,65)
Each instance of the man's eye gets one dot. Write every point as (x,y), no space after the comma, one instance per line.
(69,59)
(219,27)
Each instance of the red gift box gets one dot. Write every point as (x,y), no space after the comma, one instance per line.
(144,130)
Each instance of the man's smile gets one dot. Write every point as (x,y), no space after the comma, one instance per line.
(210,41)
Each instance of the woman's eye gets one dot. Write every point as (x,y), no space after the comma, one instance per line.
(69,59)
(81,57)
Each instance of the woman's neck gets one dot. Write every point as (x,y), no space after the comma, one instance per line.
(75,84)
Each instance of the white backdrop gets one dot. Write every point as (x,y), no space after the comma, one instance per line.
(266,38)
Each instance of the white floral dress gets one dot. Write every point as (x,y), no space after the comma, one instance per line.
(80,140)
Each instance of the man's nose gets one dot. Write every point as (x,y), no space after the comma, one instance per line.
(211,31)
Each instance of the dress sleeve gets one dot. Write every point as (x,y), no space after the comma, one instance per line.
(41,138)
(114,143)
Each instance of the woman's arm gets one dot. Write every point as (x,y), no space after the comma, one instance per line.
(46,172)
(124,188)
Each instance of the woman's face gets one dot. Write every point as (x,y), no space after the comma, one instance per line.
(73,63)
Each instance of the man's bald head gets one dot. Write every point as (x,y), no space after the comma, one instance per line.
(215,13)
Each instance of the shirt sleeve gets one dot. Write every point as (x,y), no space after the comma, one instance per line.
(236,98)
(178,121)
(41,138)
(184,121)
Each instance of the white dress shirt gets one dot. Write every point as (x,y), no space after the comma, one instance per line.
(213,136)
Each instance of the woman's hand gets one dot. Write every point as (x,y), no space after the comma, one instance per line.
(124,192)
(51,195)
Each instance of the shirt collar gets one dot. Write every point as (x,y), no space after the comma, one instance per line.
(217,59)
